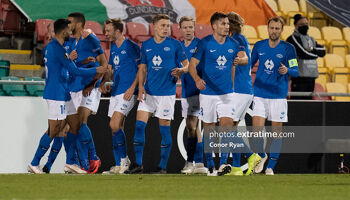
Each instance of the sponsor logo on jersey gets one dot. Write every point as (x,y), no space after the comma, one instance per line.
(230,50)
(166,49)
(269,66)
(221,61)
(157,60)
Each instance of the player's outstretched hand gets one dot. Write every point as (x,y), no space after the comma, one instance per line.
(177,72)
(85,33)
(101,69)
(129,93)
(236,61)
(142,94)
(88,60)
(73,55)
(200,83)
(283,69)
(87,90)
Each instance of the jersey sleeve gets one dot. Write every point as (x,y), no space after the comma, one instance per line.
(135,52)
(72,68)
(179,52)
(200,50)
(143,55)
(96,43)
(291,61)
(241,43)
(254,55)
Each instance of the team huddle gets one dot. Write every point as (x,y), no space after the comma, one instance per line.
(217,87)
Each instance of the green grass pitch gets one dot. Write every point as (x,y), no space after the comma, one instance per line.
(176,186)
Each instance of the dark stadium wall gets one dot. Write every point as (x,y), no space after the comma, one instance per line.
(299,114)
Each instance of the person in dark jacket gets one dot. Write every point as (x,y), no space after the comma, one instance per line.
(307,53)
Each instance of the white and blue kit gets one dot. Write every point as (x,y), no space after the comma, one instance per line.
(243,86)
(58,68)
(160,85)
(87,47)
(124,60)
(190,92)
(216,61)
(270,87)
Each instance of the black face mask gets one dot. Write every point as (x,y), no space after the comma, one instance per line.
(303,29)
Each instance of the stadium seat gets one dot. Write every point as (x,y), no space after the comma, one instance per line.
(176,32)
(262,31)
(34,90)
(251,34)
(98,31)
(341,75)
(319,88)
(10,18)
(94,26)
(320,62)
(274,7)
(333,60)
(202,30)
(13,90)
(137,31)
(289,8)
(4,68)
(346,34)
(287,31)
(41,29)
(151,29)
(316,34)
(347,59)
(337,88)
(316,18)
(349,88)
(323,76)
(335,41)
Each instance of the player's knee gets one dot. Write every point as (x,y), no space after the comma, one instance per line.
(115,126)
(192,132)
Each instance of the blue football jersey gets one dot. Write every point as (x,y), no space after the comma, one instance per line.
(243,78)
(216,62)
(58,68)
(269,83)
(124,61)
(161,59)
(87,47)
(189,87)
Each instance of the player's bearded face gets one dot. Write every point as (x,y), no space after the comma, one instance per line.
(162,28)
(275,29)
(188,29)
(67,34)
(221,27)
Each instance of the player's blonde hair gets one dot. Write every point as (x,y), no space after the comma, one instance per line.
(236,22)
(187,19)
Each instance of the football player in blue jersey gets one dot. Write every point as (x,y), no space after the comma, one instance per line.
(160,56)
(124,59)
(58,67)
(243,91)
(190,104)
(218,55)
(86,51)
(277,63)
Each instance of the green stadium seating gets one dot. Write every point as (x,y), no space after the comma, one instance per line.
(34,90)
(13,90)
(4,68)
